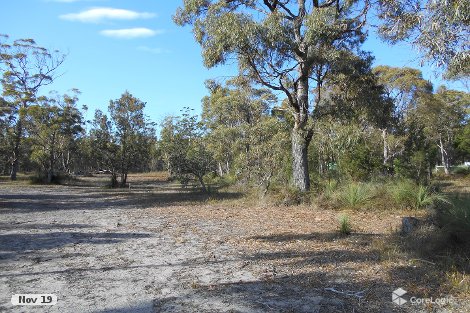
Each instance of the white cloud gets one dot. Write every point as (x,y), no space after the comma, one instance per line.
(130,33)
(96,15)
(152,50)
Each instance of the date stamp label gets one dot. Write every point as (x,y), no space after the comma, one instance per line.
(34,299)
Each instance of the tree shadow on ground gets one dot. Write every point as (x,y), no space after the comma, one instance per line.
(302,293)
(72,198)
(17,245)
(52,240)
(421,279)
(29,226)
(316,236)
(137,308)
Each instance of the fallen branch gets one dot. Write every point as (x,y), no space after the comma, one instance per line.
(425,261)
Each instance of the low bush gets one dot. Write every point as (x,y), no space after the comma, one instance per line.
(329,189)
(461,170)
(454,218)
(287,196)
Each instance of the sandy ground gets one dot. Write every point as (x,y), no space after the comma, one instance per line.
(161,250)
(102,252)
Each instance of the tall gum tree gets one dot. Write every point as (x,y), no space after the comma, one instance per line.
(438,28)
(25,67)
(285,45)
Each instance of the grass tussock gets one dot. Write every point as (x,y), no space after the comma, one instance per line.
(344,225)
(408,195)
(454,220)
(354,195)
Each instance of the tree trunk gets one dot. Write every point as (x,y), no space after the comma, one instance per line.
(385,146)
(220,170)
(443,157)
(300,143)
(50,172)
(201,181)
(114,182)
(300,136)
(16,150)
(123,179)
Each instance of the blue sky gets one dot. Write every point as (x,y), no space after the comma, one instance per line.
(118,45)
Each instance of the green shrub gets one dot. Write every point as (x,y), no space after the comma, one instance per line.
(356,194)
(454,219)
(330,188)
(461,170)
(402,193)
(57,179)
(288,196)
(344,224)
(407,194)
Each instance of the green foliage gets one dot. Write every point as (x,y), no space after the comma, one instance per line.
(402,193)
(461,170)
(185,149)
(454,218)
(245,141)
(361,163)
(344,225)
(122,142)
(346,150)
(355,194)
(284,51)
(438,28)
(54,128)
(463,140)
(330,188)
(407,194)
(25,67)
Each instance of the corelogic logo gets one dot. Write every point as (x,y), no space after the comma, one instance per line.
(397,296)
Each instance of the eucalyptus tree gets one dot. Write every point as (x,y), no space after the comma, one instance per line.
(53,127)
(285,45)
(185,149)
(133,133)
(103,146)
(5,135)
(404,85)
(26,68)
(354,95)
(230,112)
(440,29)
(246,140)
(463,141)
(406,88)
(443,116)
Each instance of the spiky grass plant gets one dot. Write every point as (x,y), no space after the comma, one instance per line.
(344,225)
(356,194)
(407,194)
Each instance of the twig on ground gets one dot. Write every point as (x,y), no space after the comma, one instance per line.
(259,302)
(425,261)
(357,294)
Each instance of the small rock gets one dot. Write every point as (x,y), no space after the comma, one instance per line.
(408,224)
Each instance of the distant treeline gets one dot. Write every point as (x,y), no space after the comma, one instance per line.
(368,122)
